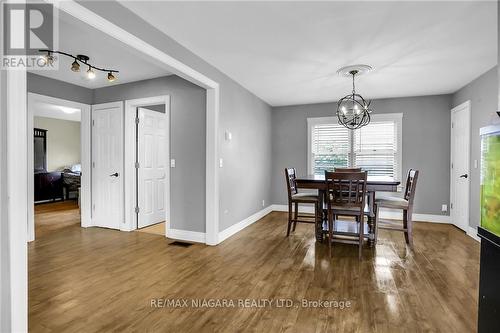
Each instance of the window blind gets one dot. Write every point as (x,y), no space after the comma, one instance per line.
(375,148)
(330,147)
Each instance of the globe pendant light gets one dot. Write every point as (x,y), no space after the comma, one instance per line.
(353,111)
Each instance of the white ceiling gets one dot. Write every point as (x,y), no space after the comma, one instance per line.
(288,52)
(48,110)
(76,37)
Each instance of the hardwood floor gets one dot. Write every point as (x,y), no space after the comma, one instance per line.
(52,216)
(97,280)
(155,229)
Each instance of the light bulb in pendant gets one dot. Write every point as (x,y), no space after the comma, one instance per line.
(90,73)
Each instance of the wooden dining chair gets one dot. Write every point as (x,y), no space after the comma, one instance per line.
(346,195)
(295,198)
(405,204)
(348,170)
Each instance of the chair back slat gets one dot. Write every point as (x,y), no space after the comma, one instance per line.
(411,184)
(346,189)
(291,185)
(347,169)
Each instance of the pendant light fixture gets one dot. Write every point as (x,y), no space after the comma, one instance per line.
(48,58)
(353,111)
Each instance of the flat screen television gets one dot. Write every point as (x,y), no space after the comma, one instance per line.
(490,179)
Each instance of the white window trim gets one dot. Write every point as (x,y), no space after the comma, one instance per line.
(396,117)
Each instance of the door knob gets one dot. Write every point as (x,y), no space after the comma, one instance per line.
(464,175)
(114,175)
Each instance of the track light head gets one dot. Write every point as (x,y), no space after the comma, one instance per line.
(90,73)
(75,66)
(47,59)
(111,77)
(50,58)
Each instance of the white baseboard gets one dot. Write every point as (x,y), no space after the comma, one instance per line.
(392,214)
(199,237)
(184,235)
(472,232)
(384,214)
(228,232)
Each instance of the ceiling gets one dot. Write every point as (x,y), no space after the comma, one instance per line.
(48,110)
(76,37)
(288,52)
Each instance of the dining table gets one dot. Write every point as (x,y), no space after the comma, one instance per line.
(373,184)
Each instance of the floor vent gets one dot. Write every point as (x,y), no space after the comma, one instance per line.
(181,244)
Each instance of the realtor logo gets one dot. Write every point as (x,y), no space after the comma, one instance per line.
(27,28)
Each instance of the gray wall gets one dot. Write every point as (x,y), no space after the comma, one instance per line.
(242,113)
(187,142)
(54,88)
(63,141)
(426,144)
(483,94)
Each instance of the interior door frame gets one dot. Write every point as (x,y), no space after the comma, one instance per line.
(130,175)
(467,107)
(85,158)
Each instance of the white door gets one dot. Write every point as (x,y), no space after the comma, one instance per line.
(460,173)
(152,158)
(107,165)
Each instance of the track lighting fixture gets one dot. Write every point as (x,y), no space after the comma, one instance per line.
(48,58)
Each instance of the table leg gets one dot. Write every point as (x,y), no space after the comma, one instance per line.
(319,224)
(371,218)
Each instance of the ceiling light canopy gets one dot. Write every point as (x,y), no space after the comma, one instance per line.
(353,111)
(48,58)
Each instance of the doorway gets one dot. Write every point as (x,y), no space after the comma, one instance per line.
(147,164)
(57,164)
(460,165)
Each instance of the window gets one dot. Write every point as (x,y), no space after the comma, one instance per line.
(376,147)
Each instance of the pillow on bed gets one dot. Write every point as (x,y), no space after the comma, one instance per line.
(76,168)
